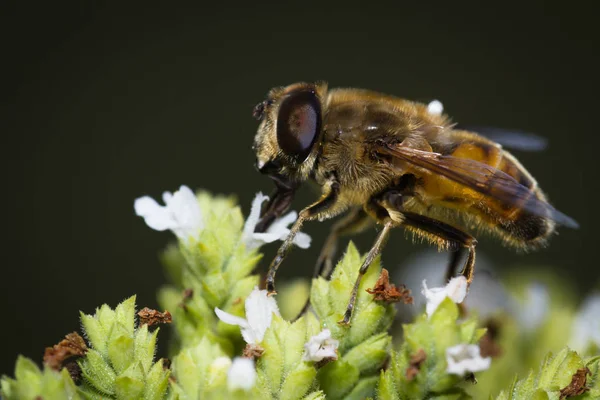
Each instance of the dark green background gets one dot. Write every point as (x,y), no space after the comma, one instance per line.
(103,104)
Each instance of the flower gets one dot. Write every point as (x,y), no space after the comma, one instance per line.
(586,327)
(259,314)
(456,290)
(241,374)
(465,358)
(320,347)
(181,213)
(277,231)
(435,107)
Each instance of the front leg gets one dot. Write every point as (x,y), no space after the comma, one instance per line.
(325,203)
(279,202)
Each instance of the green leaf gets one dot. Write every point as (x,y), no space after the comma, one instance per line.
(338,378)
(124,367)
(98,372)
(191,366)
(94,332)
(429,337)
(369,356)
(555,374)
(125,315)
(145,346)
(130,384)
(297,382)
(364,345)
(120,352)
(363,389)
(157,382)
(30,383)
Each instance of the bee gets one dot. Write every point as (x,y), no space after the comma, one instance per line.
(389,161)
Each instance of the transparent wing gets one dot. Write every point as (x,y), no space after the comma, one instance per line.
(512,139)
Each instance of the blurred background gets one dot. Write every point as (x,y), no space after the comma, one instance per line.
(102,104)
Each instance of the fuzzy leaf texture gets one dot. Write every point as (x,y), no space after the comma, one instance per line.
(364,345)
(212,270)
(119,364)
(555,379)
(30,382)
(431,336)
(282,372)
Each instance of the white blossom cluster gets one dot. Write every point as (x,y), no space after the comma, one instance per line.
(182,215)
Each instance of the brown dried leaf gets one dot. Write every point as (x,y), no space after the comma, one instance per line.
(253,351)
(416,360)
(72,345)
(388,292)
(152,317)
(577,385)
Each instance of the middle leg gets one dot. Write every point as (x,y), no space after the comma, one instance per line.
(445,237)
(387,208)
(356,221)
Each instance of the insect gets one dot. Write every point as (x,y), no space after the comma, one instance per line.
(385,160)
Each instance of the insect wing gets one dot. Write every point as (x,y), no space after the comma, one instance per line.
(480,177)
(517,140)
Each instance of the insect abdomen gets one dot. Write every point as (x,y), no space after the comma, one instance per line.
(530,229)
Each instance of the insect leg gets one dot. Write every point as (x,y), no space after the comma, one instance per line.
(327,200)
(374,252)
(279,202)
(354,222)
(444,236)
(455,257)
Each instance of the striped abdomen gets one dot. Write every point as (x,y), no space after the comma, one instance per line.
(517,215)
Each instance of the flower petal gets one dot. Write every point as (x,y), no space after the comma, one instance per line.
(241,374)
(231,319)
(465,358)
(254,215)
(320,346)
(302,240)
(156,216)
(456,289)
(259,312)
(265,237)
(280,225)
(434,297)
(181,213)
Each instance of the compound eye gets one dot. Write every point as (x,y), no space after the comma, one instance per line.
(298,123)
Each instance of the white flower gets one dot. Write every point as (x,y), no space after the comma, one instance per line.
(456,290)
(586,327)
(277,231)
(321,346)
(181,213)
(465,358)
(533,312)
(241,374)
(259,314)
(435,107)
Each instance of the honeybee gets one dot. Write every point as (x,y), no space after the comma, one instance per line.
(385,160)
